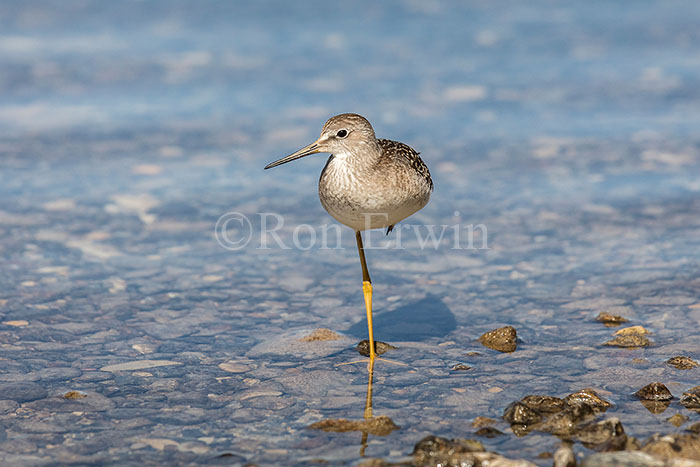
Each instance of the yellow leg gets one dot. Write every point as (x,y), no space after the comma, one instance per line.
(367,290)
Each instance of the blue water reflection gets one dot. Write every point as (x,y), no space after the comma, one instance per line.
(127,129)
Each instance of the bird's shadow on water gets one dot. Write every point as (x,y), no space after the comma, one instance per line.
(416,321)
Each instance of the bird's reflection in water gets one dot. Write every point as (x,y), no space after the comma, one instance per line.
(370,425)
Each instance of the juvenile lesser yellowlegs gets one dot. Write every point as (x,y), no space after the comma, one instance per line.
(367,183)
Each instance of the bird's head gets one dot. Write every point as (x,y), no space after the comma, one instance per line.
(342,134)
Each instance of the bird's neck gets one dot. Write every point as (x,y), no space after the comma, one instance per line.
(363,155)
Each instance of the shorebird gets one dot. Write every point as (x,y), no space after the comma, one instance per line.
(367,183)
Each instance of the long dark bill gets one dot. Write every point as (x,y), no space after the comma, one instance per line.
(305,151)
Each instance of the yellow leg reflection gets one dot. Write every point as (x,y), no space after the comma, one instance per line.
(368,404)
(370,425)
(368,401)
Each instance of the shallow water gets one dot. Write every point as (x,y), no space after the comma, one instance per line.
(568,131)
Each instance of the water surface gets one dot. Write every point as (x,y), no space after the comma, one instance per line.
(568,130)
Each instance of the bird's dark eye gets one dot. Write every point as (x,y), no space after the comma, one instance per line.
(342,133)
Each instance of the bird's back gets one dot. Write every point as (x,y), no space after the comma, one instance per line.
(404,155)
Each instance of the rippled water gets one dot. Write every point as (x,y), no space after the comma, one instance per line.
(569,131)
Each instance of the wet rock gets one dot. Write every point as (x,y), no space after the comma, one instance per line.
(674,446)
(518,413)
(691,398)
(654,392)
(607,432)
(589,397)
(632,330)
(610,320)
(622,459)
(502,339)
(378,426)
(461,367)
(629,341)
(677,420)
(564,456)
(488,432)
(682,363)
(322,334)
(22,392)
(434,450)
(379,347)
(544,404)
(561,417)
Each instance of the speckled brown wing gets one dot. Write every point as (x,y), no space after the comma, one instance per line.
(409,154)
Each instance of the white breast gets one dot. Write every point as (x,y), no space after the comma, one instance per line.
(361,201)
